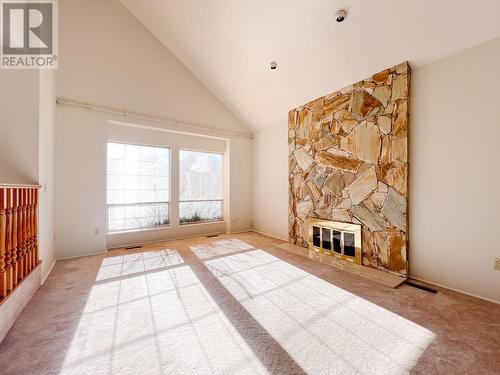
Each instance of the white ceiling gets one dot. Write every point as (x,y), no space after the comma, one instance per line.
(228,44)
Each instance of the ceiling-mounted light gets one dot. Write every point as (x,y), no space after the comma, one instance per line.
(273,65)
(341,15)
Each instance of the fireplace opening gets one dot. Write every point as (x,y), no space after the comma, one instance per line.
(337,242)
(316,236)
(342,240)
(349,244)
(326,239)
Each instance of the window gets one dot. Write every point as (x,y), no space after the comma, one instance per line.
(200,186)
(137,187)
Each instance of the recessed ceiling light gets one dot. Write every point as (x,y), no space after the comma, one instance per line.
(273,65)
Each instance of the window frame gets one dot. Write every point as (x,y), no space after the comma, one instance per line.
(222,200)
(168,203)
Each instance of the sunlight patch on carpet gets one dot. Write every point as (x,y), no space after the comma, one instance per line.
(129,264)
(325,329)
(164,322)
(219,248)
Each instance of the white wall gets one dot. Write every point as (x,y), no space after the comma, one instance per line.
(118,63)
(19,126)
(270,190)
(46,169)
(27,111)
(80,183)
(241,184)
(454,173)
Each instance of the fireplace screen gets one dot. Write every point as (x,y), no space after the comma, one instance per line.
(326,239)
(317,236)
(337,241)
(349,245)
(341,240)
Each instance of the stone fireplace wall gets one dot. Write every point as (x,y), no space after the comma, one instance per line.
(348,161)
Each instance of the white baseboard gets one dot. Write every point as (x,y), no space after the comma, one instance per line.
(453,289)
(48,273)
(270,235)
(81,256)
(166,240)
(240,231)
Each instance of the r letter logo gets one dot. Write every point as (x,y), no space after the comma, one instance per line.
(29,34)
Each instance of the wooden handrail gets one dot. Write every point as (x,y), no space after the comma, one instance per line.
(18,235)
(19,186)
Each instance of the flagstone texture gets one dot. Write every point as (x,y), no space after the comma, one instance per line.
(348,161)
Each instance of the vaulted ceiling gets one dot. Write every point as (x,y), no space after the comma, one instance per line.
(229,44)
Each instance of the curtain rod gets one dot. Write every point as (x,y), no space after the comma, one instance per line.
(141,116)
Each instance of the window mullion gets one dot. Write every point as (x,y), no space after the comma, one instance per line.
(174,186)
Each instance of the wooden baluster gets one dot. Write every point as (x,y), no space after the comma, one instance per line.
(8,241)
(3,271)
(27,231)
(20,242)
(35,227)
(30,227)
(23,230)
(29,243)
(18,236)
(32,230)
(15,207)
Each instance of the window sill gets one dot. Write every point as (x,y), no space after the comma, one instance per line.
(202,223)
(169,226)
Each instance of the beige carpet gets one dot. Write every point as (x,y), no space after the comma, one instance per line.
(239,305)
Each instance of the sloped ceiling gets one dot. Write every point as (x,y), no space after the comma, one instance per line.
(228,44)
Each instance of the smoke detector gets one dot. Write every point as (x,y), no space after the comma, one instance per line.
(341,15)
